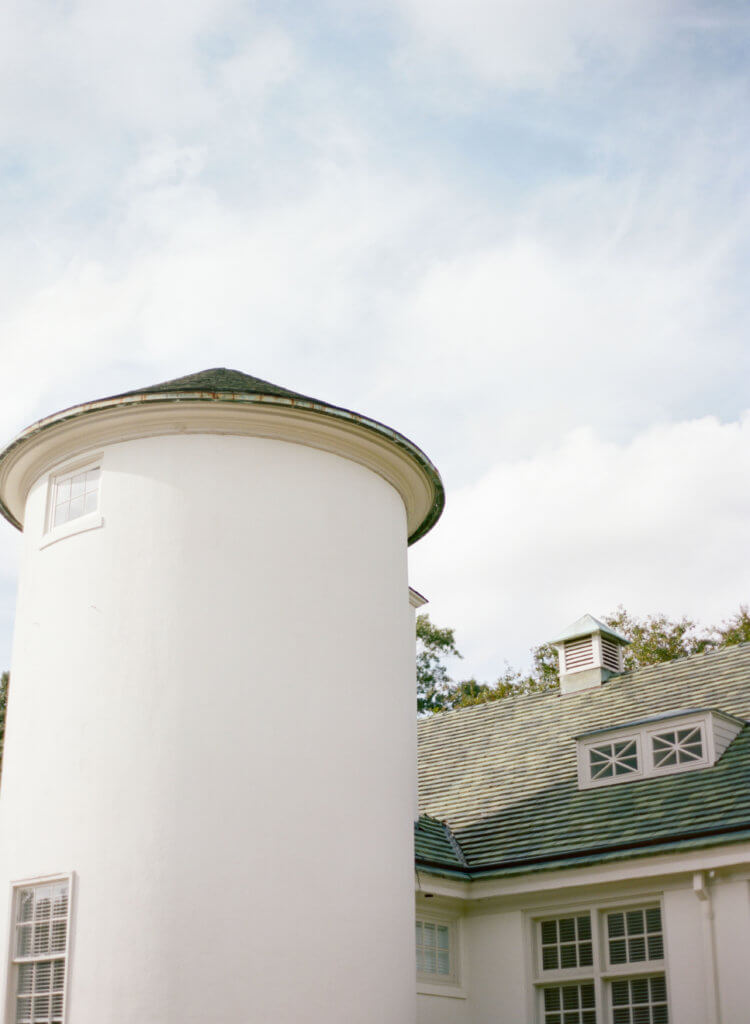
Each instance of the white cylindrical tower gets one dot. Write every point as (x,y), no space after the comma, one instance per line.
(206,800)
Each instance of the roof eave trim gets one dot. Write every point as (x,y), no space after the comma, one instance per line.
(345,416)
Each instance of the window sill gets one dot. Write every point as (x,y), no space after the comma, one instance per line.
(92,521)
(447,991)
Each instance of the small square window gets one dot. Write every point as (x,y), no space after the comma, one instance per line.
(74,495)
(635,936)
(566,942)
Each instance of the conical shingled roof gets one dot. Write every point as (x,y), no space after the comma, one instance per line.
(368,441)
(218,380)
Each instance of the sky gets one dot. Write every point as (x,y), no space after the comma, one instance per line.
(517,233)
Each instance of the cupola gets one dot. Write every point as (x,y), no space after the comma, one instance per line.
(590,653)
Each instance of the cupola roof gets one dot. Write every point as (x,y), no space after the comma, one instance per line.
(585,626)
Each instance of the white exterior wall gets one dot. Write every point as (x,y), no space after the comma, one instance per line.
(498,939)
(212,724)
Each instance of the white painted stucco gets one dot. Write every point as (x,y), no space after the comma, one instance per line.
(211,723)
(705,901)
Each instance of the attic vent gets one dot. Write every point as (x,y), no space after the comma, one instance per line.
(611,655)
(579,653)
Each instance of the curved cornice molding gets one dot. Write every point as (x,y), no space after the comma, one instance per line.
(74,431)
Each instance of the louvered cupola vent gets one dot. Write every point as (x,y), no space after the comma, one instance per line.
(611,655)
(578,654)
(590,653)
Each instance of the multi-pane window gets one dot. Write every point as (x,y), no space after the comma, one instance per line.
(569,1004)
(611,759)
(680,746)
(601,966)
(74,495)
(434,948)
(635,935)
(566,942)
(40,950)
(640,1001)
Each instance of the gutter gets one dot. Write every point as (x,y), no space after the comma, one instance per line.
(239,398)
(733,834)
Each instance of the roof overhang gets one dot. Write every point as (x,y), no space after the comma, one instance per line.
(314,424)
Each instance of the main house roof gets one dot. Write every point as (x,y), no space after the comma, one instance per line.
(499,782)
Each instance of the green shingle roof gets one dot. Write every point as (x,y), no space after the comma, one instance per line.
(434,843)
(503,776)
(218,380)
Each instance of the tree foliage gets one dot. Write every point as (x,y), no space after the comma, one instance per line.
(4,685)
(434,645)
(655,638)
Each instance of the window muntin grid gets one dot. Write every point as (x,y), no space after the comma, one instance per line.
(569,1004)
(678,746)
(433,948)
(40,946)
(566,942)
(640,1000)
(75,495)
(635,936)
(608,760)
(627,945)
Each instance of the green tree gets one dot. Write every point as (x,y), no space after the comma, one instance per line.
(655,638)
(434,645)
(658,638)
(735,630)
(4,685)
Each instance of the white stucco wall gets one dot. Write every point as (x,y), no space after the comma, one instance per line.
(498,937)
(211,723)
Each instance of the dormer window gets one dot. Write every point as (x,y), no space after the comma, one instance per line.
(610,760)
(680,746)
(676,742)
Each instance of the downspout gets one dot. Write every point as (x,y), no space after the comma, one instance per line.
(701,888)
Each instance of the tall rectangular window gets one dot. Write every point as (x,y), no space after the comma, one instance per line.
(433,948)
(41,923)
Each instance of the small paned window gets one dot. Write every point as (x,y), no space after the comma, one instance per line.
(569,1004)
(640,1001)
(680,746)
(433,948)
(74,495)
(611,759)
(40,950)
(566,942)
(635,935)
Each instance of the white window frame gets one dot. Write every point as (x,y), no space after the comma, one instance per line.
(601,973)
(584,760)
(702,722)
(89,520)
(643,733)
(448,985)
(14,962)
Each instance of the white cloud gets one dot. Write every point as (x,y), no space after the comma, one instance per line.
(531,44)
(657,524)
